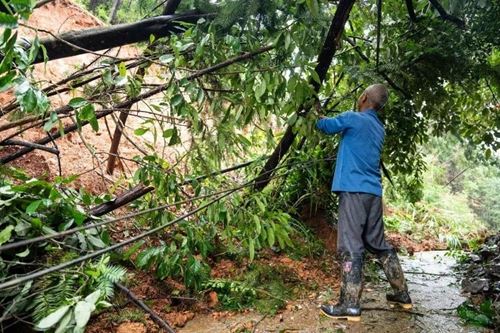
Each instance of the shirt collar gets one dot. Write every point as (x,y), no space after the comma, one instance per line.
(370,111)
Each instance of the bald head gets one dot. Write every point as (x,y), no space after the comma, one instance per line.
(375,96)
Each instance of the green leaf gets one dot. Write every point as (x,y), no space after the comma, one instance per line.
(292,120)
(63,324)
(261,205)
(82,313)
(258,227)
(288,40)
(34,50)
(33,206)
(94,297)
(133,249)
(87,112)
(175,139)
(78,102)
(166,58)
(51,122)
(168,133)
(97,242)
(140,131)
(270,236)
(260,89)
(313,7)
(29,101)
(94,124)
(185,47)
(122,69)
(315,76)
(8,21)
(5,234)
(251,249)
(107,77)
(78,216)
(176,100)
(470,314)
(6,80)
(52,318)
(23,254)
(487,153)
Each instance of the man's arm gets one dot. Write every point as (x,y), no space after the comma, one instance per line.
(334,125)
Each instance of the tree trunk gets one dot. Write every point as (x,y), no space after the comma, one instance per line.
(324,60)
(170,8)
(78,42)
(114,11)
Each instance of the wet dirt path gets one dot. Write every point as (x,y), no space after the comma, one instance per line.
(433,287)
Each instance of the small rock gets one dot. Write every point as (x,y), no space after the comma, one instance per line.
(475,286)
(475,258)
(495,270)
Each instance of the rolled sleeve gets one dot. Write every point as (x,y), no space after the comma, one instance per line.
(334,125)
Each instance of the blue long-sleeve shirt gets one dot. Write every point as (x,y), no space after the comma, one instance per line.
(358,159)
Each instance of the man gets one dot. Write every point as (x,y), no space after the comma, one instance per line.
(358,182)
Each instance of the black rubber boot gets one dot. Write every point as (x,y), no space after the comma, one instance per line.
(394,273)
(350,291)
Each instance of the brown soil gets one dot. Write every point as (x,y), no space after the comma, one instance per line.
(327,233)
(404,242)
(76,158)
(131,328)
(318,222)
(169,300)
(35,165)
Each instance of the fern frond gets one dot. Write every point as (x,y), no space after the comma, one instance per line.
(58,290)
(110,274)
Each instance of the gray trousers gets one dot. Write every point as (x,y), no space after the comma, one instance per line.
(360,224)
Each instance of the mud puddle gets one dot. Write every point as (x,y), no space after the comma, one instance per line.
(433,286)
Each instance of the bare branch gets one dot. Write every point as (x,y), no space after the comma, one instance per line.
(30,145)
(445,16)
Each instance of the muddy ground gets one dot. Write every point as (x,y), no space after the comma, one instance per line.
(433,286)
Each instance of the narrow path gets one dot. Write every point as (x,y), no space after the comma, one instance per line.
(433,287)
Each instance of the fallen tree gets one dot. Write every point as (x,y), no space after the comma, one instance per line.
(126,104)
(91,40)
(325,58)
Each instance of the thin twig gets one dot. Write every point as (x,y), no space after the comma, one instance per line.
(258,322)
